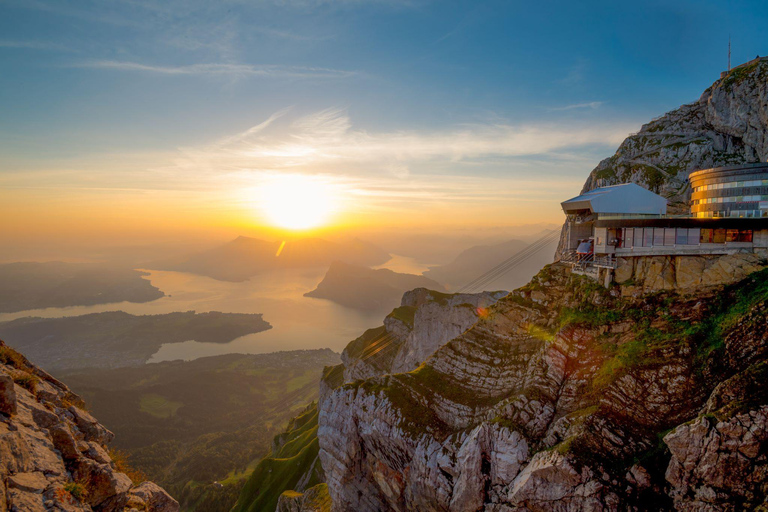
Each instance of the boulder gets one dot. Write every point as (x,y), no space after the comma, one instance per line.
(7,395)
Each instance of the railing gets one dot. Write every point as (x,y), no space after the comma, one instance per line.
(580,263)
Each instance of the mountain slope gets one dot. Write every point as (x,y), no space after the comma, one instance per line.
(293,465)
(367,289)
(199,427)
(425,320)
(565,403)
(53,453)
(480,258)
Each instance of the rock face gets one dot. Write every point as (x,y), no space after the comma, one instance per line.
(685,273)
(561,404)
(53,453)
(728,125)
(425,320)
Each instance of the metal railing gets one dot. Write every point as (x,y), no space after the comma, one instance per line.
(582,262)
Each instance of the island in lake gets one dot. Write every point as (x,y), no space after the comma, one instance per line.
(368,289)
(114,338)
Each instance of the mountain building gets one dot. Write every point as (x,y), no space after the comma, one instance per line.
(729,214)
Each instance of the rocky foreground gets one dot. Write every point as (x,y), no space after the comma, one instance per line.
(53,454)
(565,396)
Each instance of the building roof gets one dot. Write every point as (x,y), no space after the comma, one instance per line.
(624,198)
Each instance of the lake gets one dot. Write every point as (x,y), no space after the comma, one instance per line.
(298,322)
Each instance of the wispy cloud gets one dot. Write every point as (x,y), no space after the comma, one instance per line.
(326,141)
(591,105)
(274,71)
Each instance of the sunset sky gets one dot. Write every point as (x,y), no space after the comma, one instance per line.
(134,118)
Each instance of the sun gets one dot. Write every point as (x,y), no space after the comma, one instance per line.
(297,202)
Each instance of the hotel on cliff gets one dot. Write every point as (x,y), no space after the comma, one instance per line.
(728,215)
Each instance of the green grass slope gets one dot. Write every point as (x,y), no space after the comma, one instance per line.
(294,460)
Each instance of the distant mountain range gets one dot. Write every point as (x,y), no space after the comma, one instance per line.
(368,289)
(246,257)
(476,260)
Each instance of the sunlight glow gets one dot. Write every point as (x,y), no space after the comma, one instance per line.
(297,201)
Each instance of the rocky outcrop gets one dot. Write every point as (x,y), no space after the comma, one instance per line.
(562,403)
(720,465)
(53,453)
(425,320)
(639,275)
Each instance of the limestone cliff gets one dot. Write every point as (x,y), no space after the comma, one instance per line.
(425,320)
(579,400)
(53,453)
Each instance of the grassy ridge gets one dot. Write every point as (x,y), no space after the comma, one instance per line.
(295,458)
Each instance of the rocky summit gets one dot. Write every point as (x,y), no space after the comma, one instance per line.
(53,453)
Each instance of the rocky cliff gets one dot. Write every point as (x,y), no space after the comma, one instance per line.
(426,320)
(578,400)
(53,454)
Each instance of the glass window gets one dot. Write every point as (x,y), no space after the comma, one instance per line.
(719,236)
(706,236)
(629,238)
(681,236)
(648,237)
(745,235)
(731,235)
(669,236)
(658,236)
(693,236)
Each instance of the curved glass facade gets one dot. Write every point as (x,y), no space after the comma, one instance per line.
(738,191)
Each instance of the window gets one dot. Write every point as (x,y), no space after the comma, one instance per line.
(627,238)
(669,236)
(693,236)
(745,235)
(681,237)
(648,237)
(719,236)
(706,236)
(731,235)
(658,236)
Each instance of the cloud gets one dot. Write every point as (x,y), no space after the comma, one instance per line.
(592,104)
(326,141)
(215,69)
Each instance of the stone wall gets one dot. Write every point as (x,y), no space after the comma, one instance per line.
(645,274)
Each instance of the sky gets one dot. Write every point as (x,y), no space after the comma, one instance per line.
(127,120)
